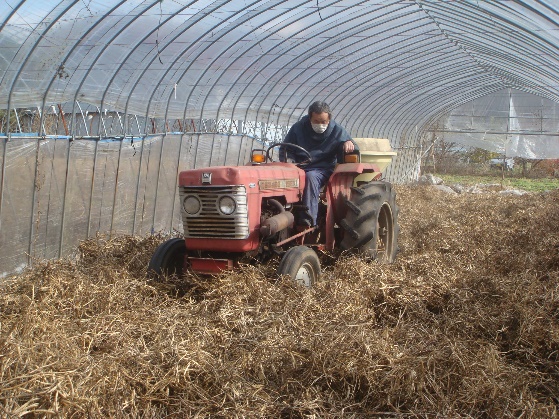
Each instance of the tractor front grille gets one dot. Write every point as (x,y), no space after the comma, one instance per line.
(209,222)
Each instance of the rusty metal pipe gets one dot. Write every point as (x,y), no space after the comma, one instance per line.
(276,223)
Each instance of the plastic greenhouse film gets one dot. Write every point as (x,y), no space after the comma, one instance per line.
(166,183)
(17,204)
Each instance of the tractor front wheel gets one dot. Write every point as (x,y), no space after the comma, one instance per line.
(371,224)
(301,264)
(168,259)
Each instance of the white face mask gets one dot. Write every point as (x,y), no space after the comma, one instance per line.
(319,128)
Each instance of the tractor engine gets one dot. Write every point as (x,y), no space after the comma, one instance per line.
(228,211)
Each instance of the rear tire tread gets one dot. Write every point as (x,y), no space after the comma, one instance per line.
(376,203)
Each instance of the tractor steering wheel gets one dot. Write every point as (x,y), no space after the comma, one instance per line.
(295,147)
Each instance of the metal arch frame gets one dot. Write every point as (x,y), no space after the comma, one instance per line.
(504,22)
(382,106)
(380,56)
(556,11)
(392,61)
(509,76)
(450,94)
(222,33)
(8,18)
(139,78)
(379,107)
(270,34)
(438,14)
(223,72)
(341,90)
(184,52)
(523,4)
(116,71)
(467,41)
(191,24)
(88,72)
(458,86)
(393,108)
(403,88)
(524,84)
(455,87)
(30,53)
(396,92)
(204,73)
(14,82)
(300,60)
(199,78)
(101,122)
(395,62)
(133,88)
(524,43)
(445,34)
(180,56)
(295,45)
(91,28)
(362,28)
(278,2)
(4,151)
(281,80)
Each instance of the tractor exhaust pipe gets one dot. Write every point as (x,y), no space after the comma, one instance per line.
(276,223)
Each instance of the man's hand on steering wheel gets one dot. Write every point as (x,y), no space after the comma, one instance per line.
(295,147)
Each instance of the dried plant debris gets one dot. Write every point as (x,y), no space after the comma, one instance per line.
(464,324)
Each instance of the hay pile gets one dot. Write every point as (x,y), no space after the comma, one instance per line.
(465,324)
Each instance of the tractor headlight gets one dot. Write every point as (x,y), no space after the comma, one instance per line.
(227,205)
(191,204)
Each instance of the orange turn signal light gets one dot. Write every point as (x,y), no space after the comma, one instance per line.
(258,158)
(351,158)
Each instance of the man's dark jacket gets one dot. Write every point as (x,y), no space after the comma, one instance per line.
(324,148)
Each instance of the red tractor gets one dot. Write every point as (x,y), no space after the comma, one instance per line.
(247,214)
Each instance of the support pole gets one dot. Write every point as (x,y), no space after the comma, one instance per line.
(157,184)
(64,198)
(138,186)
(64,119)
(93,172)
(2,181)
(34,199)
(116,189)
(175,190)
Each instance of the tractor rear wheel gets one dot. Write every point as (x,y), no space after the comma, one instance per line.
(168,259)
(301,264)
(371,223)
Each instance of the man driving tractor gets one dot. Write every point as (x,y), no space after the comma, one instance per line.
(324,139)
(251,213)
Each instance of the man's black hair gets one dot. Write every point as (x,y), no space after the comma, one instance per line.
(320,107)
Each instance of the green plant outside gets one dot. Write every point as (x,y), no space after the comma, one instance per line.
(526,184)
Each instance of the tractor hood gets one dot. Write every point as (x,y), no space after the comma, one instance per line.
(269,179)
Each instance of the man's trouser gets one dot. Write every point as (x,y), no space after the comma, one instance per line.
(315,180)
